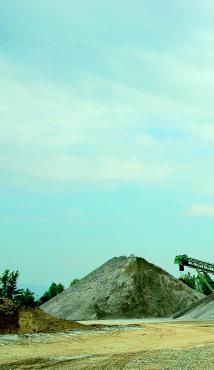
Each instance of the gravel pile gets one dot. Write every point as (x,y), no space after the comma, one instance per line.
(202,310)
(124,287)
(17,319)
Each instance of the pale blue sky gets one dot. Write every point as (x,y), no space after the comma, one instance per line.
(106,134)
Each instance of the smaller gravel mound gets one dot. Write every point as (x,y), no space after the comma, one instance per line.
(35,320)
(202,310)
(17,319)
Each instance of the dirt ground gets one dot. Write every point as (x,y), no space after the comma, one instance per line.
(144,345)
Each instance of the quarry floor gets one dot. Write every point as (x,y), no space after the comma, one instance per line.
(125,345)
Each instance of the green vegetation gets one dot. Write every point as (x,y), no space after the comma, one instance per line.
(8,284)
(8,289)
(73,282)
(189,280)
(53,290)
(195,282)
(25,297)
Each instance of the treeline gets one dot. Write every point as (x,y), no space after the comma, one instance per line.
(25,297)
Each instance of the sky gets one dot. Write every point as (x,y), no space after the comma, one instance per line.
(106,134)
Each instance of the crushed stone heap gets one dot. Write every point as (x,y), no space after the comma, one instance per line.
(123,287)
(202,310)
(18,319)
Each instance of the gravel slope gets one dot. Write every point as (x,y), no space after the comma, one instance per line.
(202,310)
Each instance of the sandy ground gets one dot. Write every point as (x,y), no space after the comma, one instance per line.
(130,345)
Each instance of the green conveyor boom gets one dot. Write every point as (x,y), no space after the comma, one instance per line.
(203,268)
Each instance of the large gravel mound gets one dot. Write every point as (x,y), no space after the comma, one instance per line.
(123,287)
(202,310)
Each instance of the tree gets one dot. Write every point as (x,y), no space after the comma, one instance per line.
(189,280)
(53,290)
(73,282)
(8,289)
(196,282)
(8,284)
(201,286)
(26,298)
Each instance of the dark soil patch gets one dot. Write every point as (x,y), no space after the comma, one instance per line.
(9,316)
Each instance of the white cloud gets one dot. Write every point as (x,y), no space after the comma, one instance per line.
(49,133)
(73,216)
(200,210)
(97,132)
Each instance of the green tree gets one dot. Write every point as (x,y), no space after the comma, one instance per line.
(196,282)
(8,289)
(8,284)
(73,282)
(26,298)
(52,291)
(189,280)
(201,286)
